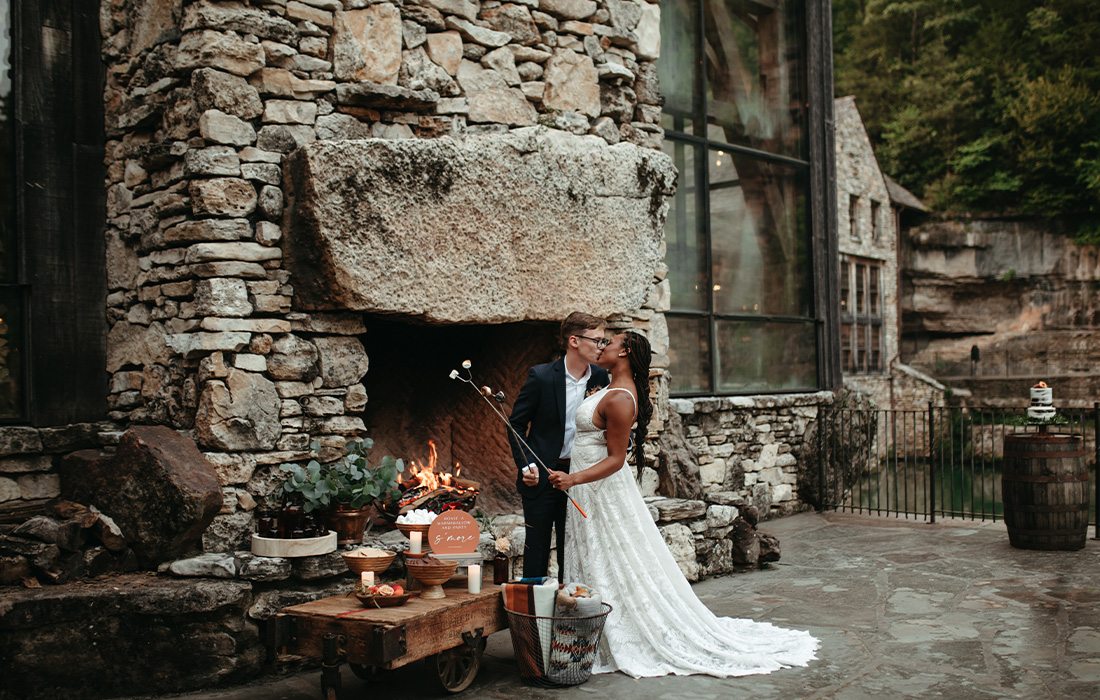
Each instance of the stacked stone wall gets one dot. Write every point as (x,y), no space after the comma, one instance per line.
(206,99)
(752,454)
(29,458)
(204,102)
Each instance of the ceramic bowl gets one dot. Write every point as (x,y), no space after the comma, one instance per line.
(377,564)
(382,601)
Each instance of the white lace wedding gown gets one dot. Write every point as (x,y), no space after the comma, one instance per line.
(658,625)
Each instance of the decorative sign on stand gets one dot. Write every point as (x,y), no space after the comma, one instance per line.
(454,534)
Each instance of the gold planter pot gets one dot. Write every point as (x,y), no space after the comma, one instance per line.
(349,523)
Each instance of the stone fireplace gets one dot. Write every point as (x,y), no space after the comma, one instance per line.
(469,249)
(412,400)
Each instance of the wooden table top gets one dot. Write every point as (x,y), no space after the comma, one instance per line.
(348,606)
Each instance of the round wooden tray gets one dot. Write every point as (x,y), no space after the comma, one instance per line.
(303,547)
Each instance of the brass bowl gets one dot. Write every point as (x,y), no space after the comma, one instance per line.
(421,528)
(432,576)
(410,527)
(377,564)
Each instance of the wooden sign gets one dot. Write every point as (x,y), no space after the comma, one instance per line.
(454,532)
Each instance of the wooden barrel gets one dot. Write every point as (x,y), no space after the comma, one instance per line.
(1045,490)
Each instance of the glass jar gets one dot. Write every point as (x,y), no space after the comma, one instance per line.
(290,519)
(311,525)
(501,569)
(267,523)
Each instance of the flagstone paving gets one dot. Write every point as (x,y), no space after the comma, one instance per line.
(902,609)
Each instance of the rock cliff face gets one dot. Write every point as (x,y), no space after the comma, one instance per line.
(1000,285)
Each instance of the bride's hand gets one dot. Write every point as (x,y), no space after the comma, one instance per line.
(561,480)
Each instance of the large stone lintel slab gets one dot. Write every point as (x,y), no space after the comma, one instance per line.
(528,225)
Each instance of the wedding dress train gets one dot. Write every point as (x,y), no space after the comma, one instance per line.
(658,625)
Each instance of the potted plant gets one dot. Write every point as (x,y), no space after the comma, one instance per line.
(343,492)
(358,488)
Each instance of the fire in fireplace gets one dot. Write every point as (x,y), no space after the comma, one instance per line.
(412,399)
(427,488)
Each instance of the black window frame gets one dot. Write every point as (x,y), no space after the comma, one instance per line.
(818,166)
(59,270)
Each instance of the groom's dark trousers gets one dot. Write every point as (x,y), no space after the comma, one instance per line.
(539,416)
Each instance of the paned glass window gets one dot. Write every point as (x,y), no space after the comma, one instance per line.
(853,216)
(738,233)
(11,295)
(861,315)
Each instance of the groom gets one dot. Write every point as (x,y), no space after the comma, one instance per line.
(544,415)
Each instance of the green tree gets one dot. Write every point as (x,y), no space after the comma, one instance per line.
(980,105)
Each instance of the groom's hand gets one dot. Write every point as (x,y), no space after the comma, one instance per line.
(531,477)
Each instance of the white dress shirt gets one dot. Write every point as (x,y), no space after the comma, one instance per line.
(574,394)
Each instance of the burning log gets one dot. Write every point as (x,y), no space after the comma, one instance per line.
(431,490)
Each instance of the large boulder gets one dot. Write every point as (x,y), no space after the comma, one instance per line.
(527,225)
(157,487)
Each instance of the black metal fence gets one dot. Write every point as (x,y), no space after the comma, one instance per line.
(938,462)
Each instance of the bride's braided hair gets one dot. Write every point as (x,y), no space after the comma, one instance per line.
(640,355)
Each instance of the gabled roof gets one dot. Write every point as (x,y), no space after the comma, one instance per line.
(901,196)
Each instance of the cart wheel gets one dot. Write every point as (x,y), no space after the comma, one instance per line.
(456,668)
(366,673)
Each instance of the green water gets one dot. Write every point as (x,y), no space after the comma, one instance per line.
(971,491)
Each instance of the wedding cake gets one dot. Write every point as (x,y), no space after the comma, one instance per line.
(1042,407)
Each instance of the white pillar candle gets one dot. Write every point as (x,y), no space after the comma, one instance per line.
(473,576)
(366,578)
(414,542)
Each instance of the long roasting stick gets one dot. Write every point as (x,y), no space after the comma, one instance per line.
(485,392)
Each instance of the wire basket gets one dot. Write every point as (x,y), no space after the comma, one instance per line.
(556,651)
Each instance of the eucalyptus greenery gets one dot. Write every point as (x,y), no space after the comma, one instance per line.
(350,481)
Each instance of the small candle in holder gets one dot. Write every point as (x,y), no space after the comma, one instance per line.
(473,578)
(414,542)
(366,578)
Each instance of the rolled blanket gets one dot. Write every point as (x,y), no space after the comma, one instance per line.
(578,600)
(533,599)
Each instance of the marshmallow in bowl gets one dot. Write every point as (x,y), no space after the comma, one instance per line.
(420,516)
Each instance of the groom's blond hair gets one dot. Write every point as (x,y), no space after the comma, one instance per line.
(578,322)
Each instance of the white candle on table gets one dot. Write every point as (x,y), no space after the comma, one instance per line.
(414,542)
(366,578)
(473,576)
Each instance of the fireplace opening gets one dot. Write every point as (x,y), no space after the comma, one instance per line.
(411,400)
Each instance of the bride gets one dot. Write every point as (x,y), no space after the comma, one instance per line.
(657,626)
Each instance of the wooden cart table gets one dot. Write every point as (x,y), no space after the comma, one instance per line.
(338,629)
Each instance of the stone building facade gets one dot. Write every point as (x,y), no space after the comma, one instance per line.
(205,103)
(868,230)
(241,287)
(314,209)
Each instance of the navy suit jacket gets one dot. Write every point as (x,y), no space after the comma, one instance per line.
(539,416)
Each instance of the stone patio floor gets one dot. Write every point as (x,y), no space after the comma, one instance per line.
(903,609)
